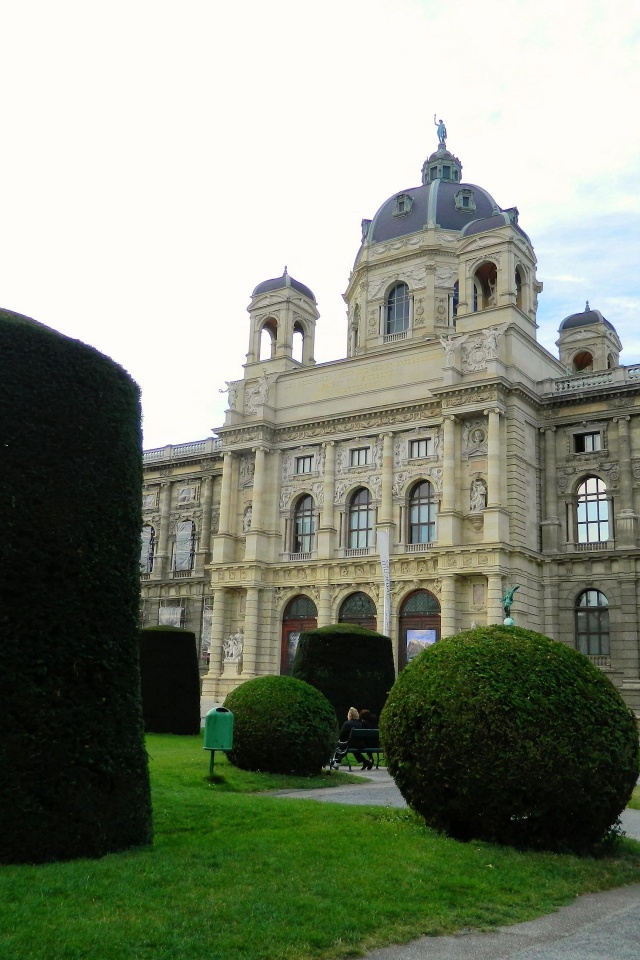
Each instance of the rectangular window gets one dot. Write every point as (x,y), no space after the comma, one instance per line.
(304,464)
(420,448)
(587,442)
(148,501)
(359,457)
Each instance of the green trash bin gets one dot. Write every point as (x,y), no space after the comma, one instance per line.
(218,732)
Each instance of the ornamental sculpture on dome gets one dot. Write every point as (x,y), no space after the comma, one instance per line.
(442,131)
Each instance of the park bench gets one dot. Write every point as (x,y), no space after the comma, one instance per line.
(364,741)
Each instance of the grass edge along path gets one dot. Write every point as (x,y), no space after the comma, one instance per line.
(236,876)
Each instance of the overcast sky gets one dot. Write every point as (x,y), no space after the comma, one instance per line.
(159,159)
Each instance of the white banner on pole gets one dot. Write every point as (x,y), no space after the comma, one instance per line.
(383,550)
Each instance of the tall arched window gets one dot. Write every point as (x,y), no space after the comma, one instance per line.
(360,520)
(184,546)
(360,609)
(592,623)
(397,313)
(592,511)
(422,513)
(147,543)
(300,614)
(304,526)
(268,337)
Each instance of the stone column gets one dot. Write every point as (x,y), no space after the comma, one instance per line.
(327,528)
(448,463)
(551,523)
(324,605)
(218,630)
(448,524)
(386,504)
(495,613)
(496,515)
(223,542)
(626,519)
(204,551)
(255,534)
(448,612)
(257,515)
(495,465)
(161,561)
(251,628)
(225,494)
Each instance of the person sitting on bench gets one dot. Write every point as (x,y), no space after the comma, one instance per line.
(369,721)
(353,720)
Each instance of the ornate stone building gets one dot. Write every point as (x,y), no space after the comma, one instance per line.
(448,432)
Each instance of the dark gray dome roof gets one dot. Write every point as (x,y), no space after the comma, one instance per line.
(434,204)
(584,319)
(284,281)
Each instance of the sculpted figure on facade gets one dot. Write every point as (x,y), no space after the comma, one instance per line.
(478,494)
(246,520)
(232,647)
(474,437)
(257,394)
(232,391)
(441,131)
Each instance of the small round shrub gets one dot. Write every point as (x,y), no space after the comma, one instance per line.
(281,725)
(504,735)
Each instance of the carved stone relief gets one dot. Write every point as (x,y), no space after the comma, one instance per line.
(474,437)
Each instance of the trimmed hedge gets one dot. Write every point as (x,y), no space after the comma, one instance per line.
(73,766)
(169,680)
(504,735)
(351,666)
(281,725)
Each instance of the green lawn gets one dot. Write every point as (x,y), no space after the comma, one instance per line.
(236,875)
(634,803)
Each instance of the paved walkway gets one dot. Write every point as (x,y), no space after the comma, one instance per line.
(598,926)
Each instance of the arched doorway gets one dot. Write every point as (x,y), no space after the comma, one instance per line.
(299,614)
(419,625)
(360,609)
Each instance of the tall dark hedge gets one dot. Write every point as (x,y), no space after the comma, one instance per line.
(170,680)
(504,735)
(73,767)
(352,666)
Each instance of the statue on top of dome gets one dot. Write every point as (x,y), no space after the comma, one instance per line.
(442,130)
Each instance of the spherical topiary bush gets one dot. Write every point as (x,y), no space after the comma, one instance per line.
(281,725)
(504,735)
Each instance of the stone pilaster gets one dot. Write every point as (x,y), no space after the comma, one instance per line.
(251,633)
(626,519)
(551,525)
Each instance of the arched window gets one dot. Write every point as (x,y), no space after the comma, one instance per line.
(268,336)
(592,511)
(300,614)
(592,623)
(360,520)
(184,546)
(397,315)
(419,624)
(360,609)
(518,287)
(486,280)
(298,342)
(422,513)
(147,543)
(583,362)
(304,526)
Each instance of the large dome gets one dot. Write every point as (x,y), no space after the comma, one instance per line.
(278,283)
(442,200)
